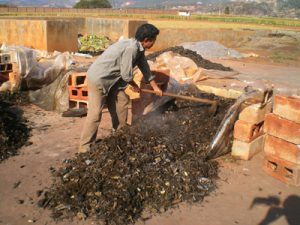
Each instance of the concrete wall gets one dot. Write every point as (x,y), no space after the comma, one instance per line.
(228,37)
(112,28)
(29,33)
(60,35)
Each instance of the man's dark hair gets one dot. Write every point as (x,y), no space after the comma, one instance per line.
(146,30)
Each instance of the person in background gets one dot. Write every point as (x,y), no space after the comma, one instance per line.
(108,77)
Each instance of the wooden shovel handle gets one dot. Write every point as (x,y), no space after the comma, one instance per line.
(189,98)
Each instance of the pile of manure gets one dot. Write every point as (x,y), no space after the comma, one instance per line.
(14,132)
(143,169)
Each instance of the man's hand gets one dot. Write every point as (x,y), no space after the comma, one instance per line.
(158,91)
(155,87)
(135,87)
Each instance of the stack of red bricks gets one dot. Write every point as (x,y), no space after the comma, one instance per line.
(248,131)
(77,88)
(6,67)
(282,145)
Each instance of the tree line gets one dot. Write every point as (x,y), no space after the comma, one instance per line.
(91,4)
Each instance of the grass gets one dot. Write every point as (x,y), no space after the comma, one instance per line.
(251,20)
(279,56)
(240,20)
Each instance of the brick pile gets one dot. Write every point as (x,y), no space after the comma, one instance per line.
(77,88)
(282,145)
(248,131)
(9,71)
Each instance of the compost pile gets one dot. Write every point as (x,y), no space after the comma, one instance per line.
(14,132)
(198,59)
(141,170)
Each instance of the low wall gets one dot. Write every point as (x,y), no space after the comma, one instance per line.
(228,37)
(29,33)
(112,28)
(49,35)
(62,36)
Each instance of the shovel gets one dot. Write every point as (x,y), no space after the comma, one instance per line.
(214,104)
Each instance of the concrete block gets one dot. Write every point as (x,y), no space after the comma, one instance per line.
(282,170)
(282,128)
(5,58)
(254,114)
(246,151)
(287,107)
(282,149)
(77,79)
(222,92)
(4,68)
(247,132)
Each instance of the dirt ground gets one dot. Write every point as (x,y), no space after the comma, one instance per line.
(245,194)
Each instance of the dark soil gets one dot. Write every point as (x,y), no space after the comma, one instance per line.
(14,132)
(143,169)
(201,62)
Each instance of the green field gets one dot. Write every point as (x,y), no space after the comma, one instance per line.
(247,22)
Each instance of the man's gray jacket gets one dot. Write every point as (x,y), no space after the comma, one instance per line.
(117,63)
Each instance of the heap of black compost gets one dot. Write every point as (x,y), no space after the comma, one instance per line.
(141,170)
(198,59)
(14,132)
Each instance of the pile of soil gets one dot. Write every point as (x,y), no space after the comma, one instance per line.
(201,62)
(143,169)
(14,132)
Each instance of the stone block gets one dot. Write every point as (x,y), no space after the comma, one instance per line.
(287,107)
(247,132)
(282,149)
(254,113)
(246,151)
(282,170)
(282,128)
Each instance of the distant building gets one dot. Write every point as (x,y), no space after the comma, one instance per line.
(184,13)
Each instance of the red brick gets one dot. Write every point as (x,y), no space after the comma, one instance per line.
(287,107)
(246,151)
(78,93)
(282,149)
(282,170)
(247,132)
(254,114)
(78,104)
(77,79)
(282,128)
